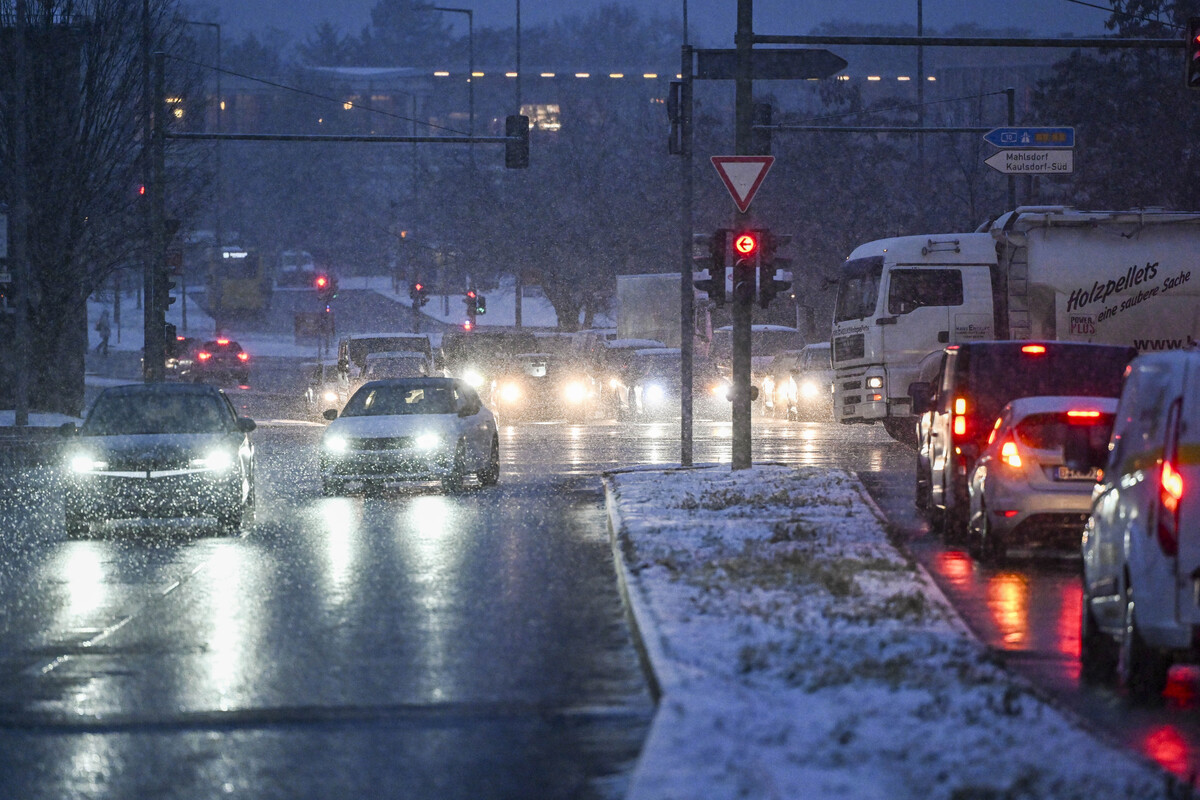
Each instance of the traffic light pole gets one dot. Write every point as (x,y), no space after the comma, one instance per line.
(687,292)
(154,349)
(741,307)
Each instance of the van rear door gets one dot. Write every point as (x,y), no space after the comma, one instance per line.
(1182,452)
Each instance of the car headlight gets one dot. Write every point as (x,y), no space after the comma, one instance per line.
(654,393)
(335,443)
(720,390)
(575,392)
(330,396)
(428,441)
(875,383)
(216,460)
(83,463)
(510,392)
(809,390)
(614,383)
(473,378)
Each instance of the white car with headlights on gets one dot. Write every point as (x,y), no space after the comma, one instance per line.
(409,429)
(159,450)
(1022,490)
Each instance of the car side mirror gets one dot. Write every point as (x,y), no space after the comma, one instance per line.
(245,424)
(1078,453)
(68,429)
(469,409)
(330,414)
(921,393)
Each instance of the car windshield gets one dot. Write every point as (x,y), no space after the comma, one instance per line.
(383,400)
(119,414)
(858,290)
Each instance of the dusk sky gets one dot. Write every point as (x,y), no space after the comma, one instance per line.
(712,20)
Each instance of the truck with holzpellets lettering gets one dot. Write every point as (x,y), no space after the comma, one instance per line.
(1039,272)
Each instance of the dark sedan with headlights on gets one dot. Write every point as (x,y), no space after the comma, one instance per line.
(159,451)
(544,386)
(655,384)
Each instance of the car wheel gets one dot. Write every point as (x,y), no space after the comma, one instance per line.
(1141,668)
(230,520)
(491,474)
(954,524)
(921,492)
(991,545)
(454,481)
(1098,652)
(250,509)
(77,527)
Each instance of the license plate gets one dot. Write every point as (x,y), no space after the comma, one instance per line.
(1068,474)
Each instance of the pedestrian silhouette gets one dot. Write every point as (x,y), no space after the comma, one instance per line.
(104,328)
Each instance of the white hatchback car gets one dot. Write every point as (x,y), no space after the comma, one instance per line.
(1141,547)
(1021,490)
(409,429)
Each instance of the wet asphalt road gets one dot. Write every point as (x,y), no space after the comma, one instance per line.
(414,645)
(471,645)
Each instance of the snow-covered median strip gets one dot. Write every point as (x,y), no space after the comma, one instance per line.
(799,654)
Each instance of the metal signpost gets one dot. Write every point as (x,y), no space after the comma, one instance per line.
(742,174)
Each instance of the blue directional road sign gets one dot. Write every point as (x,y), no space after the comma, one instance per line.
(1031,137)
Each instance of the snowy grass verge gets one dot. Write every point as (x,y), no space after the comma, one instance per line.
(799,654)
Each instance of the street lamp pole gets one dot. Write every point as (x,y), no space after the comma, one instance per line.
(217,205)
(470,61)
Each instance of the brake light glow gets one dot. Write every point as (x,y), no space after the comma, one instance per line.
(1010,512)
(243,356)
(1170,490)
(204,355)
(1034,349)
(222,342)
(1009,454)
(960,422)
(995,428)
(1083,417)
(1172,487)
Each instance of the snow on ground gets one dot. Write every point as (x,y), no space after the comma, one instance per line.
(800,654)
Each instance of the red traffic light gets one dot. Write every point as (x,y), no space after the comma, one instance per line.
(745,244)
(471,294)
(321,282)
(419,287)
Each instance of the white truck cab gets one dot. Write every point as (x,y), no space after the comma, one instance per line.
(893,296)
(1141,546)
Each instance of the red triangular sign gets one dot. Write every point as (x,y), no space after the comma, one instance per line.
(742,176)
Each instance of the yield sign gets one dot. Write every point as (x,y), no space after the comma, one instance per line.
(742,175)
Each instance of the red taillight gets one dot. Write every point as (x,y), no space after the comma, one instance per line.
(995,430)
(1169,495)
(243,356)
(222,342)
(960,421)
(1010,512)
(180,338)
(1034,349)
(1170,490)
(203,355)
(1083,417)
(1172,487)
(1009,454)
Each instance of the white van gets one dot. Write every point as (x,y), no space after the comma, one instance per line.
(1141,546)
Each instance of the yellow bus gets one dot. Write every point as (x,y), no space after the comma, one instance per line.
(239,283)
